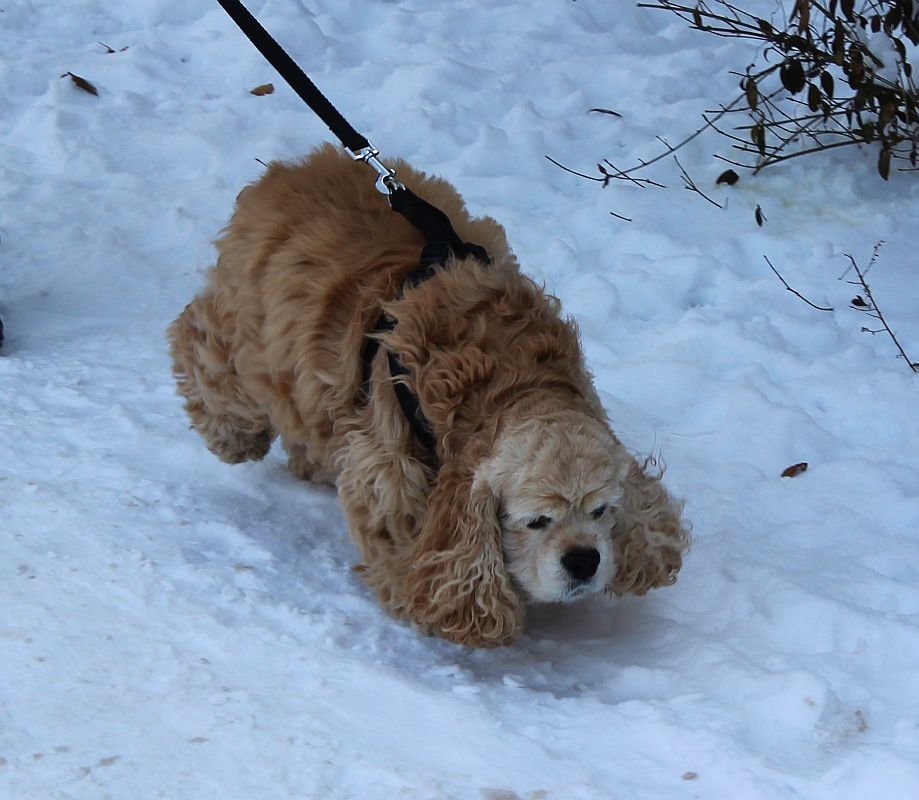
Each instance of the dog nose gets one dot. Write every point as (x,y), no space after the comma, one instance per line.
(581,562)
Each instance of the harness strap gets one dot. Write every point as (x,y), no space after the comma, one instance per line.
(434,254)
(434,226)
(408,401)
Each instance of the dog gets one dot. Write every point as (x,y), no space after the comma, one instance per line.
(529,497)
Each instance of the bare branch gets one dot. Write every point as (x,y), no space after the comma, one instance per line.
(604,181)
(690,184)
(795,292)
(872,306)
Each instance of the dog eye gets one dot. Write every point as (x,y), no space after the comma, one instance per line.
(598,512)
(540,523)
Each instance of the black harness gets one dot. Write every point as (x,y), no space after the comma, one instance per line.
(433,255)
(441,240)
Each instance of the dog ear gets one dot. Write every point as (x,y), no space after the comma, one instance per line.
(650,537)
(457,586)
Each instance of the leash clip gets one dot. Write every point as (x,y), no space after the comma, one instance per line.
(386,178)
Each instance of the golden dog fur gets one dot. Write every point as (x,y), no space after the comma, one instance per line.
(272,348)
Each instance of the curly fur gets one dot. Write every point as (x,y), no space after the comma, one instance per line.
(272,348)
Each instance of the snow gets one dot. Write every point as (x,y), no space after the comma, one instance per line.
(173,627)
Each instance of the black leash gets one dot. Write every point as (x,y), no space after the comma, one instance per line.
(441,240)
(295,77)
(431,221)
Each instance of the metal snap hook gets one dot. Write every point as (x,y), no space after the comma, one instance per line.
(386,182)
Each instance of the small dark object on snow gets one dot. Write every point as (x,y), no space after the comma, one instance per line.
(82,83)
(794,470)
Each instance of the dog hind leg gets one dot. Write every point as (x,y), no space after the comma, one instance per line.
(305,468)
(221,410)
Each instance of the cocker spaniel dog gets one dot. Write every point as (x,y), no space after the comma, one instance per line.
(529,498)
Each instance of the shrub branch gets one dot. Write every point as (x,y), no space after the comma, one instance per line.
(820,85)
(870,306)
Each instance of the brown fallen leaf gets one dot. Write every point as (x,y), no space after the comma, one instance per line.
(82,83)
(794,470)
(265,88)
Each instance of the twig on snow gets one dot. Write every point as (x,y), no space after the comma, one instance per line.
(690,184)
(871,307)
(795,292)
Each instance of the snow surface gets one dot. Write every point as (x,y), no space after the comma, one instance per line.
(172,627)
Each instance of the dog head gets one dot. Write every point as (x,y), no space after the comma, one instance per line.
(552,510)
(558,482)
